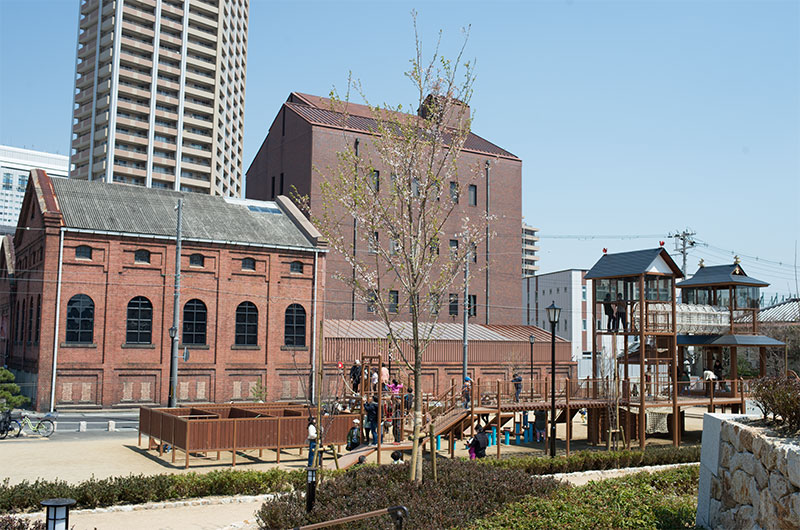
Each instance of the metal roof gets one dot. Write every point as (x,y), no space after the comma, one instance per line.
(727,340)
(788,311)
(97,206)
(630,264)
(732,274)
(340,120)
(376,329)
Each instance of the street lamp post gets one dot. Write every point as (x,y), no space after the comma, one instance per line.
(532,339)
(553,314)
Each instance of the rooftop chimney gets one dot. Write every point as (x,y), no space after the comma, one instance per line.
(457,113)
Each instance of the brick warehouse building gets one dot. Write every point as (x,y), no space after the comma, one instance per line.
(303,141)
(87,279)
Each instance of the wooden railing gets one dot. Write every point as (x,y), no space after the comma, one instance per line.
(397,513)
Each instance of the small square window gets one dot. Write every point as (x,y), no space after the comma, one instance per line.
(141,256)
(196,260)
(248,264)
(83,252)
(296,267)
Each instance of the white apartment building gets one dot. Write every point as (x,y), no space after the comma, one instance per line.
(15,165)
(530,247)
(159,94)
(572,293)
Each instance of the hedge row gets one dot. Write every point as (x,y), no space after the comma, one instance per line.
(136,489)
(648,501)
(465,492)
(592,460)
(780,398)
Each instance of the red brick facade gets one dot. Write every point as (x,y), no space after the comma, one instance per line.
(109,371)
(297,153)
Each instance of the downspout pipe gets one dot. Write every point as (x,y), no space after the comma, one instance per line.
(314,331)
(488,304)
(58,320)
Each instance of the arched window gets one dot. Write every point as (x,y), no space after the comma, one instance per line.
(194,322)
(139,328)
(296,266)
(295,329)
(246,324)
(83,252)
(80,319)
(248,264)
(141,256)
(196,260)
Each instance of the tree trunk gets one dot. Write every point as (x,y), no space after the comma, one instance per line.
(415,471)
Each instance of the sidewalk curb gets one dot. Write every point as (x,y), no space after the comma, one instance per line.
(203,501)
(602,474)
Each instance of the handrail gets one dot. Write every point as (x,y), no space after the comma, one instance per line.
(397,513)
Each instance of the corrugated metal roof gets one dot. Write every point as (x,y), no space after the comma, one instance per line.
(376,329)
(630,263)
(94,205)
(788,311)
(732,274)
(331,118)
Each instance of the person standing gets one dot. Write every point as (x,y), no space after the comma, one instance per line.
(621,315)
(408,399)
(466,391)
(371,409)
(373,379)
(540,424)
(517,380)
(312,440)
(608,308)
(397,421)
(355,375)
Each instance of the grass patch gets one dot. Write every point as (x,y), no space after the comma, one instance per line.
(651,501)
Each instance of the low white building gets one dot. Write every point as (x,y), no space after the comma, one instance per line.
(15,165)
(571,292)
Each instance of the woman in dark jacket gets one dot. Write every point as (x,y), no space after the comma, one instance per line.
(479,443)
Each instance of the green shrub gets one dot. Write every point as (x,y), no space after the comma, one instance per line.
(137,489)
(661,500)
(12,523)
(591,460)
(10,397)
(779,397)
(465,491)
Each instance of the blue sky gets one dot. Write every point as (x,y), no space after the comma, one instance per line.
(632,118)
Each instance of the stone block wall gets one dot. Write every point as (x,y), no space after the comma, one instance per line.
(748,478)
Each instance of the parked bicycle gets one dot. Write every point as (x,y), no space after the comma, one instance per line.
(13,427)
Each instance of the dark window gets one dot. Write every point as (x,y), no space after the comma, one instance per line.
(394,301)
(375,180)
(435,246)
(30,321)
(141,256)
(296,266)
(80,319)
(196,260)
(474,251)
(453,246)
(22,321)
(139,329)
(273,187)
(453,309)
(473,195)
(454,192)
(372,299)
(194,322)
(433,301)
(281,192)
(248,264)
(246,324)
(473,305)
(373,243)
(295,329)
(83,252)
(38,318)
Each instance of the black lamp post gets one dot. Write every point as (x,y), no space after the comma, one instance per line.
(311,487)
(57,513)
(553,314)
(532,339)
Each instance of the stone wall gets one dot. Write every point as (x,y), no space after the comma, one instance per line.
(748,478)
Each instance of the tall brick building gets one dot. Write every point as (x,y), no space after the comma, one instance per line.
(86,283)
(301,148)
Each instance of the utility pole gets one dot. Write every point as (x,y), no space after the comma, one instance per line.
(176,303)
(466,315)
(686,240)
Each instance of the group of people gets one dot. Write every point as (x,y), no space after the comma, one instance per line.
(616,313)
(355,376)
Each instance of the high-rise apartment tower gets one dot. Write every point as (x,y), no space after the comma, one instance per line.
(530,246)
(159,94)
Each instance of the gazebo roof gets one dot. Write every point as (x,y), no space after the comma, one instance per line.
(634,263)
(732,274)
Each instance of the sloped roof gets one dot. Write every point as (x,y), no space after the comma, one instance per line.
(319,111)
(630,264)
(732,274)
(788,311)
(94,205)
(376,329)
(727,340)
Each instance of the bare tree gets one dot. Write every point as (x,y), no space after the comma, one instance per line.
(403,276)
